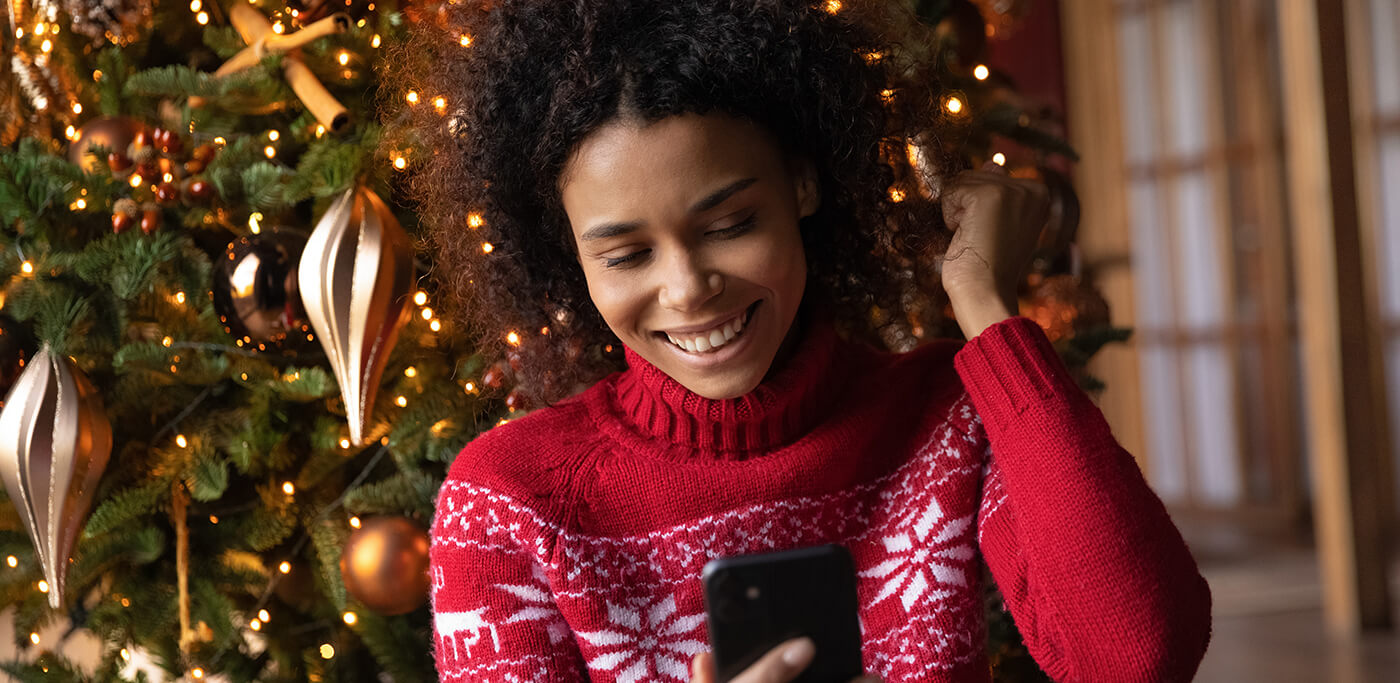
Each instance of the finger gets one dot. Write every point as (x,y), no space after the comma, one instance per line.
(782,663)
(702,668)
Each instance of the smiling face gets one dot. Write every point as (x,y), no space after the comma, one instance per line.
(687,231)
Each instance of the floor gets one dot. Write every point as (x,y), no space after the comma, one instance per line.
(1268,623)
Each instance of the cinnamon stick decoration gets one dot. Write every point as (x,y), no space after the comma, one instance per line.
(258,33)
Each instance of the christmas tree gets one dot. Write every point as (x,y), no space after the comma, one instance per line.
(230,401)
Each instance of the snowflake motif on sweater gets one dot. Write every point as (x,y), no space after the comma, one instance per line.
(662,645)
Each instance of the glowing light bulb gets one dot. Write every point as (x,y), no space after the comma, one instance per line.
(896,195)
(262,613)
(273,135)
(512,338)
(469,387)
(196,5)
(202,18)
(46,46)
(400,163)
(288,488)
(327,651)
(344,443)
(12,561)
(27,268)
(181,441)
(81,204)
(255,625)
(440,104)
(401,401)
(43,586)
(833,6)
(486,247)
(34,638)
(474,220)
(374,42)
(981,72)
(197,673)
(354,522)
(343,57)
(77,108)
(427,313)
(270,151)
(412,97)
(213,519)
(410,371)
(179,297)
(136,180)
(420,298)
(350,618)
(464,40)
(320,131)
(278,28)
(999,159)
(435,325)
(126,655)
(954,105)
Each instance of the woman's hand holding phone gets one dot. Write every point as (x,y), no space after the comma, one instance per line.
(780,665)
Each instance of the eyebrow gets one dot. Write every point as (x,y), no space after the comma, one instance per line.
(714,199)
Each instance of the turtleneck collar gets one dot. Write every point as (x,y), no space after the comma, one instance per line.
(785,406)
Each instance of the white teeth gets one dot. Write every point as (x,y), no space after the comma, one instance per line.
(711,340)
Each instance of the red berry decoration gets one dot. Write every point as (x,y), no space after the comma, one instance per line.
(515,401)
(150,220)
(194,166)
(121,223)
(118,162)
(204,153)
(167,193)
(494,377)
(198,190)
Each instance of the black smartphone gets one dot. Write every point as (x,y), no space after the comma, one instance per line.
(754,602)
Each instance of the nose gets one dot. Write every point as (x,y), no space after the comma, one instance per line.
(687,285)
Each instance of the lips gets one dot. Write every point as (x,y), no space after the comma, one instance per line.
(714,338)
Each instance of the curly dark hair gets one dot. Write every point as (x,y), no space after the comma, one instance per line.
(525,81)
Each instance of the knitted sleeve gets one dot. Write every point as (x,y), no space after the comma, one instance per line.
(494,617)
(1098,579)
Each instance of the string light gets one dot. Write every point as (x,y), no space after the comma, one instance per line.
(19,33)
(981,72)
(166,342)
(285,567)
(345,443)
(34,638)
(374,42)
(999,159)
(435,325)
(464,40)
(474,220)
(136,180)
(354,522)
(954,105)
(270,151)
(544,331)
(180,297)
(440,104)
(420,298)
(126,602)
(97,75)
(27,268)
(255,222)
(262,613)
(43,586)
(513,338)
(427,314)
(77,108)
(126,655)
(197,673)
(350,617)
(343,57)
(327,651)
(412,97)
(469,387)
(896,195)
(255,625)
(202,18)
(196,5)
(181,441)
(833,6)
(39,29)
(213,519)
(401,401)
(46,46)
(278,28)
(273,135)
(410,371)
(80,204)
(887,94)
(486,247)
(12,561)
(400,163)
(168,178)
(288,488)
(220,141)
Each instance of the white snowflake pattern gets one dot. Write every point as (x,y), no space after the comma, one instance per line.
(921,558)
(662,646)
(539,606)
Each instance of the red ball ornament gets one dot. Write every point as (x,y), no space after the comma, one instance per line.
(198,190)
(118,162)
(494,377)
(516,401)
(113,132)
(385,565)
(167,193)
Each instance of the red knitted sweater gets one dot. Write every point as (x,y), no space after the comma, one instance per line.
(567,545)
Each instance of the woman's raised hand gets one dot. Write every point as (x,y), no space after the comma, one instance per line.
(780,665)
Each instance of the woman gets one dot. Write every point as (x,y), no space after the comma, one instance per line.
(704,188)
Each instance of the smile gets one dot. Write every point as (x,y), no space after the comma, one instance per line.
(711,340)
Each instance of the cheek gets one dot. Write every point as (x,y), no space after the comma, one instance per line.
(619,300)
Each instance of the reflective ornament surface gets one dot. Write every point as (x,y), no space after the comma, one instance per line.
(256,291)
(385,565)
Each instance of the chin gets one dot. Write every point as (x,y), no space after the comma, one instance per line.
(719,390)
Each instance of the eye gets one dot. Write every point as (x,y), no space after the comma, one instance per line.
(621,261)
(734,230)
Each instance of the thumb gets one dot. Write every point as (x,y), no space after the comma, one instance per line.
(702,668)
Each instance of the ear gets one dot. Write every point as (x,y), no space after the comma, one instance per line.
(809,197)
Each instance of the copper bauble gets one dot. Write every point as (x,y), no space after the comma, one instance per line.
(385,565)
(255,286)
(116,133)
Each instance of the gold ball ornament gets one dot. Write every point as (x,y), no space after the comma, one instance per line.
(116,133)
(385,565)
